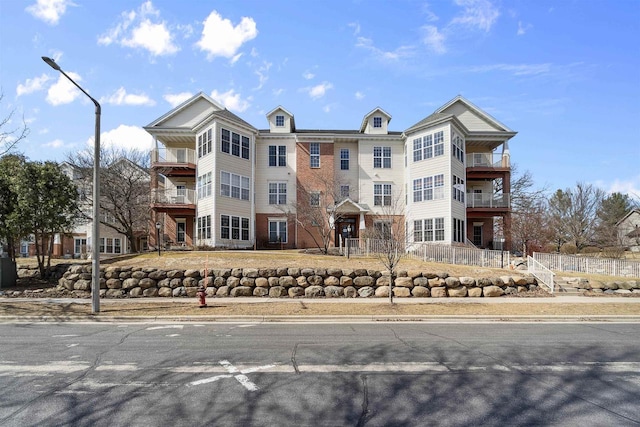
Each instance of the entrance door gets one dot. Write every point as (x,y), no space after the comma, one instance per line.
(181,155)
(346,228)
(477,235)
(181,230)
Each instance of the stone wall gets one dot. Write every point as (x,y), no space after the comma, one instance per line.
(122,282)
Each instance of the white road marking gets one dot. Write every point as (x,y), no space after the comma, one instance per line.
(172,335)
(236,373)
(64,336)
(72,345)
(153,328)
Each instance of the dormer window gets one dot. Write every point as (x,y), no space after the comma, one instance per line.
(377,122)
(280,121)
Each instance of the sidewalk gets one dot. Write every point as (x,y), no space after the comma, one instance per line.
(253,309)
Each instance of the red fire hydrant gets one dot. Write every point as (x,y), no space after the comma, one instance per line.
(202,297)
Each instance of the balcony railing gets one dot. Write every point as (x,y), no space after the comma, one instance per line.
(174,197)
(173,156)
(486,200)
(487,160)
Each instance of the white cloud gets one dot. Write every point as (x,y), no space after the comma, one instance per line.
(515,69)
(231,100)
(175,99)
(32,85)
(481,14)
(359,95)
(49,11)
(630,186)
(127,137)
(318,91)
(221,38)
(261,72)
(63,91)
(121,97)
(399,53)
(355,26)
(434,39)
(56,143)
(43,131)
(277,92)
(522,29)
(142,29)
(308,75)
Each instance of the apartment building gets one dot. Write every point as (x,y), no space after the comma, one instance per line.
(217,181)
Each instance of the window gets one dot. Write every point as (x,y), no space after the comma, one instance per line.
(225,230)
(234,227)
(234,144)
(382,194)
(110,245)
(204,185)
(377,122)
(438,144)
(417,190)
(344,191)
(344,159)
(278,155)
(225,141)
(80,246)
(439,229)
(427,144)
(314,198)
(280,121)
(417,231)
(458,189)
(181,230)
(204,144)
(245,229)
(428,230)
(457,148)
(417,149)
(383,229)
(314,150)
(428,188)
(204,227)
(277,231)
(382,157)
(458,230)
(438,187)
(245,147)
(277,193)
(234,186)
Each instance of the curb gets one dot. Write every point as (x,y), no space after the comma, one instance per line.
(327,319)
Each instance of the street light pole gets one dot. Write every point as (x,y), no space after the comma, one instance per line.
(95,233)
(158,225)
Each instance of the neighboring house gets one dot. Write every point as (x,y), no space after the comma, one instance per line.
(629,230)
(218,181)
(77,243)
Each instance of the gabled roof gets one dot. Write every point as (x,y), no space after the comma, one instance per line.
(218,110)
(378,110)
(627,216)
(434,119)
(348,202)
(469,105)
(284,110)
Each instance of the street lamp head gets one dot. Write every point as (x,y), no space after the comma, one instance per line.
(51,63)
(158,225)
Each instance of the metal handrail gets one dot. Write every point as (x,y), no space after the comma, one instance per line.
(542,273)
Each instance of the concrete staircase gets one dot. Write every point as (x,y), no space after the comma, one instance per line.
(567,286)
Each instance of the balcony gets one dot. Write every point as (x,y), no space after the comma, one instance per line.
(498,202)
(176,201)
(174,161)
(487,160)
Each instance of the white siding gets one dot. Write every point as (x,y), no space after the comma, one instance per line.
(266,173)
(347,177)
(471,120)
(191,116)
(368,175)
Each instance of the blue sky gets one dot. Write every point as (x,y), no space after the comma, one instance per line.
(564,74)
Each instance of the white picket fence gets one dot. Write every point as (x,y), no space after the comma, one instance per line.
(543,274)
(589,265)
(431,252)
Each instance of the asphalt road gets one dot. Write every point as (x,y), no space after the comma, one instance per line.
(383,374)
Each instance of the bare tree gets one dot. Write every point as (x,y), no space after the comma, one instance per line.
(573,214)
(124,189)
(10,137)
(388,236)
(316,208)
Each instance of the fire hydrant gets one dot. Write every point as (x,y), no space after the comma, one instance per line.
(202,297)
